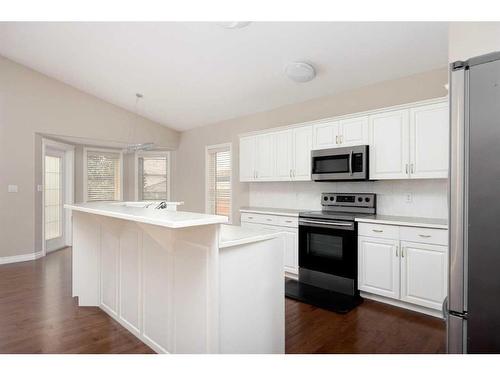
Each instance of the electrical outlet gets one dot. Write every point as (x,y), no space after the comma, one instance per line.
(12,188)
(409,197)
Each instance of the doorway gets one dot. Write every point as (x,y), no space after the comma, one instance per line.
(58,159)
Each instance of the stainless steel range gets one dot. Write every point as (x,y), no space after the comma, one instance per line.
(328,252)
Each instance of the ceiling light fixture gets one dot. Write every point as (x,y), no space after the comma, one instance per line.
(300,71)
(234,24)
(138,146)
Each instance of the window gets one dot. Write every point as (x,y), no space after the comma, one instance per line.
(153,176)
(218,180)
(104,175)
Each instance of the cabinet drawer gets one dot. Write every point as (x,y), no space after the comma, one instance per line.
(378,230)
(259,218)
(425,235)
(287,221)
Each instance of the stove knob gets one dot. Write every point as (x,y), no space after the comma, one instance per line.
(325,198)
(360,199)
(332,198)
(367,199)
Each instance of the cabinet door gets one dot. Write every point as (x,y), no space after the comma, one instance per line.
(264,157)
(326,135)
(302,145)
(389,143)
(423,274)
(291,251)
(429,138)
(353,131)
(247,159)
(283,155)
(378,266)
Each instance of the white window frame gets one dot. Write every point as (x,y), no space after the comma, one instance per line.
(137,155)
(85,180)
(207,149)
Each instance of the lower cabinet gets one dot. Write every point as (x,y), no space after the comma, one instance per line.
(287,225)
(412,272)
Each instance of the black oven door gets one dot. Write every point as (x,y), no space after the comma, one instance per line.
(328,247)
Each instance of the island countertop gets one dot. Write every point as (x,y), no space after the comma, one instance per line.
(164,218)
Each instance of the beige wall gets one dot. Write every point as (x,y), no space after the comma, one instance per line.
(189,173)
(32,104)
(469,39)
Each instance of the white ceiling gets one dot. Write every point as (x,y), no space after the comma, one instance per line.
(196,73)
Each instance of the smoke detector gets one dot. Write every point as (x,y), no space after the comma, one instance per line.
(300,71)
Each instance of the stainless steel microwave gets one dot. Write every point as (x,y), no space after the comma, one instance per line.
(340,164)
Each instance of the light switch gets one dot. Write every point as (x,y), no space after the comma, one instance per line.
(12,189)
(409,197)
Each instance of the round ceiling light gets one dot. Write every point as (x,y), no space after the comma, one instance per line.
(300,71)
(234,24)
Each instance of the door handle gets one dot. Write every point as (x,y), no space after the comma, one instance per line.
(425,235)
(377,230)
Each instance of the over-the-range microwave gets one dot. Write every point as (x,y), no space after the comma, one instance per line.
(340,164)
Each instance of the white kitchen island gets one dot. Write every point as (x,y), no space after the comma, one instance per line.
(181,282)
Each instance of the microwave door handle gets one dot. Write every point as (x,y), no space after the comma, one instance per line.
(350,163)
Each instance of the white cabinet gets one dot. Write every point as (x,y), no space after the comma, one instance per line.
(378,266)
(302,145)
(286,224)
(429,134)
(389,145)
(410,143)
(423,274)
(264,156)
(408,264)
(283,155)
(247,159)
(342,133)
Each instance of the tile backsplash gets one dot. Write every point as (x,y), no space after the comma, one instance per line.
(428,197)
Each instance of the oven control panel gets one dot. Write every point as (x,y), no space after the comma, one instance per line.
(348,200)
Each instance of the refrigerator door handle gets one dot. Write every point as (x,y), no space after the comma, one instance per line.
(457,190)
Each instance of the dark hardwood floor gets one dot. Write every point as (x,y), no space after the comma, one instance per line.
(38,315)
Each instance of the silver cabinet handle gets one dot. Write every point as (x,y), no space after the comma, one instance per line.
(256,174)
(269,219)
(250,217)
(336,139)
(294,173)
(425,235)
(402,252)
(341,139)
(288,221)
(411,168)
(377,230)
(397,250)
(290,173)
(406,168)
(350,163)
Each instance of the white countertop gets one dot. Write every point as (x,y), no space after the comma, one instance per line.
(234,235)
(405,221)
(164,218)
(272,211)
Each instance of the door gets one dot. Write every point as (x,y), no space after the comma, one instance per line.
(302,145)
(353,131)
(429,135)
(54,218)
(264,157)
(284,155)
(247,159)
(326,135)
(424,274)
(378,266)
(389,145)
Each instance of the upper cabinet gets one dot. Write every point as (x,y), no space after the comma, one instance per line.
(409,141)
(342,133)
(277,156)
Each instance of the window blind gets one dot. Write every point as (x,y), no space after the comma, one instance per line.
(103,176)
(219,180)
(153,177)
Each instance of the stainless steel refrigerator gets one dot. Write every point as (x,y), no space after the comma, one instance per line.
(473,304)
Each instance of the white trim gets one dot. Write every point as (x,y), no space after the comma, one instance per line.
(69,172)
(348,116)
(138,154)
(21,258)
(207,149)
(110,150)
(402,304)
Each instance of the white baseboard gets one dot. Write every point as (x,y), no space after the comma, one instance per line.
(402,304)
(21,258)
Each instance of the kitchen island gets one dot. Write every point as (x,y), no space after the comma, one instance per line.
(181,282)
